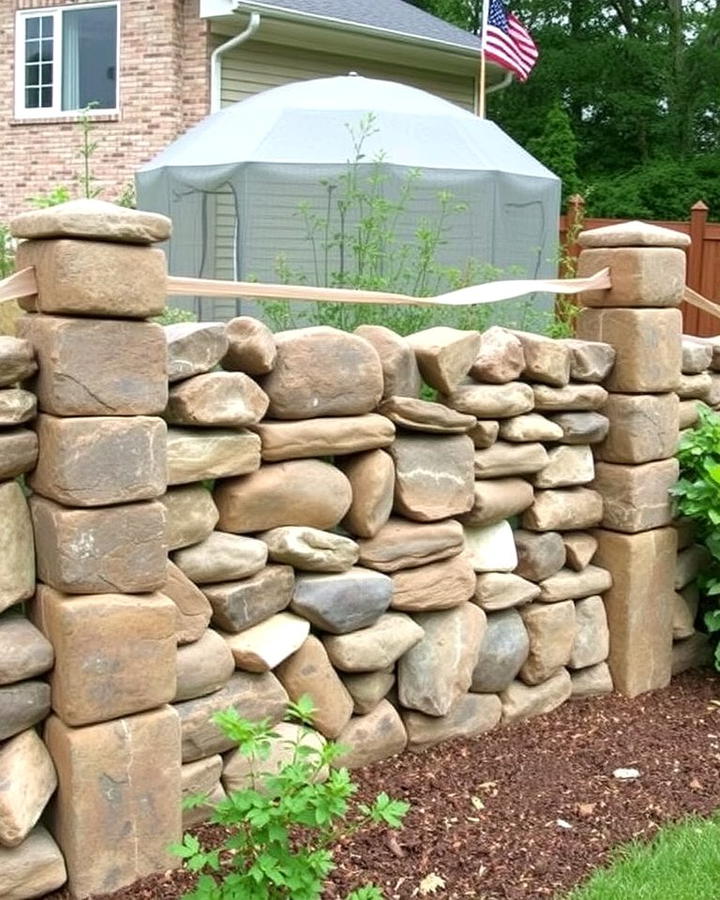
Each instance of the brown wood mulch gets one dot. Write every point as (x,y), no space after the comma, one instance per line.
(529,810)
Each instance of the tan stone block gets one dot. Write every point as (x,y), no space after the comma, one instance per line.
(100,460)
(17,360)
(592,681)
(448,492)
(190,515)
(374,648)
(34,869)
(469,716)
(28,778)
(633,234)
(571,398)
(310,549)
(592,636)
(199,455)
(500,358)
(444,355)
(648,344)
(490,401)
(95,278)
(510,459)
(423,415)
(298,492)
(194,348)
(238,605)
(117,781)
(23,705)
(522,701)
(546,360)
(378,735)
(639,606)
(92,219)
(496,499)
(17,551)
(18,451)
(401,376)
(642,428)
(203,667)
(530,427)
(569,585)
(372,480)
(696,355)
(262,647)
(216,399)
(589,360)
(369,688)
(16,406)
(400,544)
(251,346)
(567,465)
(540,555)
(551,630)
(98,367)
(192,608)
(636,498)
(105,647)
(221,557)
(440,585)
(501,590)
(484,434)
(89,551)
(580,548)
(581,427)
(24,651)
(331,436)
(695,387)
(640,276)
(564,510)
(309,671)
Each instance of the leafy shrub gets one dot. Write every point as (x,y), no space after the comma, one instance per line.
(171,315)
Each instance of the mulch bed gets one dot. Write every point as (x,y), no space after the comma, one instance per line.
(547,808)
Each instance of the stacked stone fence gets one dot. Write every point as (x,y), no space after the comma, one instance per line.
(213,516)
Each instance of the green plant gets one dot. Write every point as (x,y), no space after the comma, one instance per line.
(281,829)
(171,315)
(7,252)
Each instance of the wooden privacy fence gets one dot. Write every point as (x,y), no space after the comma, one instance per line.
(703,270)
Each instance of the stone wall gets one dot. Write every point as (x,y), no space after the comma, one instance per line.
(226,517)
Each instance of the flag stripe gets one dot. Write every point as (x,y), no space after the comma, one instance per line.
(507,42)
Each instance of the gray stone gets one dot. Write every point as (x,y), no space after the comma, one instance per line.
(401,376)
(367,689)
(470,715)
(510,459)
(18,451)
(690,563)
(546,360)
(34,869)
(692,653)
(500,590)
(17,360)
(685,608)
(190,515)
(203,667)
(696,356)
(521,701)
(484,434)
(589,360)
(310,549)
(201,777)
(251,346)
(591,682)
(551,630)
(221,557)
(16,406)
(216,399)
(373,737)
(343,602)
(24,651)
(500,358)
(28,780)
(195,454)
(581,427)
(23,705)
(374,648)
(194,348)
(503,651)
(402,545)
(540,555)
(238,605)
(592,637)
(17,550)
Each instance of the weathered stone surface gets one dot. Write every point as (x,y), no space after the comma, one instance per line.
(510,459)
(18,451)
(581,427)
(530,427)
(686,533)
(564,510)
(690,562)
(264,646)
(24,651)
(240,771)
(694,387)
(470,715)
(692,653)
(438,669)
(571,398)
(498,498)
(403,545)
(551,631)
(440,585)
(34,869)
(194,348)
(639,606)
(689,413)
(491,548)
(299,492)
(251,346)
(17,360)
(201,777)
(422,415)
(484,434)
(643,428)
(125,374)
(372,480)
(310,549)
(94,220)
(343,602)
(222,557)
(199,455)
(491,401)
(203,667)
(696,355)
(320,371)
(569,585)
(499,590)
(88,551)
(633,234)
(636,498)
(522,701)
(100,460)
(309,671)
(93,278)
(500,358)
(685,607)
(190,515)
(367,689)
(540,555)
(117,781)
(444,355)
(331,436)
(647,342)
(16,406)
(641,276)
(372,737)
(238,605)
(592,638)
(546,360)
(253,696)
(374,648)
(218,399)
(448,492)
(28,778)
(503,651)
(580,547)
(567,465)
(192,609)
(17,551)
(23,705)
(591,682)
(401,376)
(589,360)
(98,627)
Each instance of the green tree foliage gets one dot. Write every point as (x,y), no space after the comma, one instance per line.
(557,148)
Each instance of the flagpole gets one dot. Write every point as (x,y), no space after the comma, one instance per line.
(481,87)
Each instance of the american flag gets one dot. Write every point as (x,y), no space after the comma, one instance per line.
(507,43)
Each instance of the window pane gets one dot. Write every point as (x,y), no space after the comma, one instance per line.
(47,23)
(46,70)
(32,98)
(32,27)
(32,75)
(47,51)
(32,51)
(89,58)
(46,97)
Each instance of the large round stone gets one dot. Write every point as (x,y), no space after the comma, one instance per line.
(503,651)
(344,602)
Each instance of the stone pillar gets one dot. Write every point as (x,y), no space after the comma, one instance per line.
(635,468)
(101,386)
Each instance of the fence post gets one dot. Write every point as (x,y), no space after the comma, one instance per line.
(698,220)
(574,224)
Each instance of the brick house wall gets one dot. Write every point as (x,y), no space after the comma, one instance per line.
(164,89)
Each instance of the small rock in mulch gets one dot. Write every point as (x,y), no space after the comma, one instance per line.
(528,810)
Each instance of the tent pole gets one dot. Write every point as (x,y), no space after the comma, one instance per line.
(483,74)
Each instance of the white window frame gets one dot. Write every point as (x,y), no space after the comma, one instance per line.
(55,111)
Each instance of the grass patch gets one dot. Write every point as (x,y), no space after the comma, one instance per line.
(681,863)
